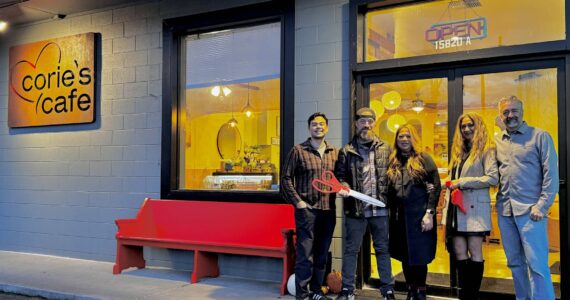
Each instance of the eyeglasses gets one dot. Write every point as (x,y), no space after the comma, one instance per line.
(364,121)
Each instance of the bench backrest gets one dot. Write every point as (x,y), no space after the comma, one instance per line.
(210,222)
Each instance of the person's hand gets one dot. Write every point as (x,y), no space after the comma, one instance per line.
(427,222)
(454,184)
(535,213)
(302,204)
(430,187)
(343,193)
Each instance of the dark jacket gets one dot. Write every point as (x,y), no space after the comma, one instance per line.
(409,201)
(302,165)
(348,169)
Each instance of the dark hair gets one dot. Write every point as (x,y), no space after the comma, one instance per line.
(315,115)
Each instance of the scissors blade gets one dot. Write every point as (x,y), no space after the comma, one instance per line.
(365,198)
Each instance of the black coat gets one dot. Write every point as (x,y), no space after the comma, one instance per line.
(408,201)
(348,170)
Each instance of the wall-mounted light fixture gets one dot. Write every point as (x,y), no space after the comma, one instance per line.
(3,26)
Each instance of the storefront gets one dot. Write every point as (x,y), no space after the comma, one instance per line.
(201,100)
(427,62)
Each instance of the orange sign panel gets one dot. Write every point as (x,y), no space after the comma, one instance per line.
(52,82)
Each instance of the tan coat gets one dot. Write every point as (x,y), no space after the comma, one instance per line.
(476,178)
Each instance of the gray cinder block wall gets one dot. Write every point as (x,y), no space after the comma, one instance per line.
(62,187)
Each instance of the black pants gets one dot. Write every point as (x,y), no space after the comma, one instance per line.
(416,275)
(315,229)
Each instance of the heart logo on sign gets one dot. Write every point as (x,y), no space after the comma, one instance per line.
(14,70)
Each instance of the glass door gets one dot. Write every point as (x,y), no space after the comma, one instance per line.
(433,106)
(423,103)
(537,88)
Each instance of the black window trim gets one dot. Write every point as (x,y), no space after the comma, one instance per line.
(174,31)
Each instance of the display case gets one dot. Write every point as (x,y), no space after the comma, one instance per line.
(240,181)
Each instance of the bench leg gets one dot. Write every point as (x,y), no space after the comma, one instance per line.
(205,265)
(288,269)
(128,256)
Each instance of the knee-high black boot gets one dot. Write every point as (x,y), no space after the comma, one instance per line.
(476,276)
(463,279)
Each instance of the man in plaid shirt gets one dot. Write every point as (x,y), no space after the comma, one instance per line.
(315,217)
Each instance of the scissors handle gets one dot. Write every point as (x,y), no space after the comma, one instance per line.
(327,180)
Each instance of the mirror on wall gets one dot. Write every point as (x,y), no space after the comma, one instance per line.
(229,142)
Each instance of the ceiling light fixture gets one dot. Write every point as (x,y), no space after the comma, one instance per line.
(247,109)
(220,91)
(3,26)
(417,105)
(391,100)
(233,122)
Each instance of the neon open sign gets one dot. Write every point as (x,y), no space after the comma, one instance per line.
(456,33)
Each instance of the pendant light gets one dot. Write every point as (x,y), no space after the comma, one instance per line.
(247,109)
(233,122)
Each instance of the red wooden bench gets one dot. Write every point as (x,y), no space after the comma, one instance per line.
(208,228)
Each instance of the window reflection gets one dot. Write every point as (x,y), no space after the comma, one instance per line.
(230,112)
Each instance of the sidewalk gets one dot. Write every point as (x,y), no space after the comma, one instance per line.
(65,278)
(54,277)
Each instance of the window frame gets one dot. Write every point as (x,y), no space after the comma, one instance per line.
(357,27)
(174,32)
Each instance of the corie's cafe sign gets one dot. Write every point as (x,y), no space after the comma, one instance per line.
(52,82)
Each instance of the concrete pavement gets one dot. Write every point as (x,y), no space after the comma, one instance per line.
(66,278)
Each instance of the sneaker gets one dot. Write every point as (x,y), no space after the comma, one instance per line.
(319,296)
(389,295)
(345,294)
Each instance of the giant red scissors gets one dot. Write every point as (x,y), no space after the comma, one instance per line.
(329,184)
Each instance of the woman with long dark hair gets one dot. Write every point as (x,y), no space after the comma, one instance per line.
(474,170)
(412,208)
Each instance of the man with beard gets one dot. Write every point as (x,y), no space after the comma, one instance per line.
(315,214)
(362,166)
(528,183)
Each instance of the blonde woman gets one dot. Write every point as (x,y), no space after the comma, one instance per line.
(412,208)
(473,169)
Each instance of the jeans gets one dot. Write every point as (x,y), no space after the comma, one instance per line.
(526,247)
(354,232)
(315,229)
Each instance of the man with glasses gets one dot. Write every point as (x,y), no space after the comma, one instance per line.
(362,166)
(315,214)
(528,183)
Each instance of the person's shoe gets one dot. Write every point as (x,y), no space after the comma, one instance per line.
(319,296)
(345,294)
(420,294)
(389,295)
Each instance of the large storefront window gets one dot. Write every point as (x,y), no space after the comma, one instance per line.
(229,129)
(446,26)
(228,102)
